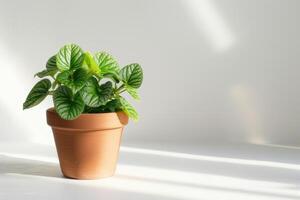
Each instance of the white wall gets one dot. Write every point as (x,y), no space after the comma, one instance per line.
(214,70)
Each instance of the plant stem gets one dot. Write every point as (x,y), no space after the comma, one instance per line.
(52,76)
(122,91)
(50,92)
(98,77)
(120,88)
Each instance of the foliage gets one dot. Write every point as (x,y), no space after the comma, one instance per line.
(86,83)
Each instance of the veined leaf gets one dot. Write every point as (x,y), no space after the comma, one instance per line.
(37,94)
(43,74)
(64,77)
(90,64)
(132,75)
(133,92)
(74,80)
(113,105)
(54,84)
(128,109)
(51,65)
(94,95)
(67,105)
(107,64)
(69,56)
(106,91)
(51,68)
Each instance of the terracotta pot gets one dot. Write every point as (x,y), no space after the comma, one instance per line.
(88,147)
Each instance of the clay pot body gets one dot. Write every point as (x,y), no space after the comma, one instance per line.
(88,147)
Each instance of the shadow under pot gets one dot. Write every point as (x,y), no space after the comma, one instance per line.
(88,146)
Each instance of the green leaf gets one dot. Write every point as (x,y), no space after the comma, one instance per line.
(74,80)
(69,56)
(133,92)
(37,94)
(64,77)
(132,75)
(107,64)
(54,84)
(43,74)
(94,95)
(106,90)
(67,105)
(90,64)
(128,109)
(113,105)
(51,68)
(51,65)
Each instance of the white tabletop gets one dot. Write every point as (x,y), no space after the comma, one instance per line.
(241,172)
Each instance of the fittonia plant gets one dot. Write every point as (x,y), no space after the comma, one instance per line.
(86,83)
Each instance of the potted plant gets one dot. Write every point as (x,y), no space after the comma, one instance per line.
(89,112)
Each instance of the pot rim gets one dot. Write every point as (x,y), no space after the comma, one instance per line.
(87,121)
(52,109)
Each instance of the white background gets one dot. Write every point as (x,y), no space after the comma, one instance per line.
(213,70)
